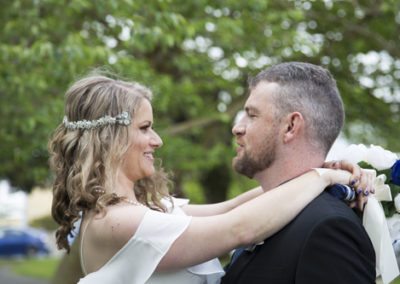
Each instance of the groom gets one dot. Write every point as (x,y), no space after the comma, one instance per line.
(293,115)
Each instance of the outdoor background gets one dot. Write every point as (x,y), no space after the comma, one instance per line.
(196,56)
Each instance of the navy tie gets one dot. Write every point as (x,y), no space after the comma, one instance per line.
(235,256)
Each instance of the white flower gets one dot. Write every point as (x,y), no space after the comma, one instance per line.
(376,156)
(380,158)
(354,153)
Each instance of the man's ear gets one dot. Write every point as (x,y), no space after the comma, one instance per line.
(294,124)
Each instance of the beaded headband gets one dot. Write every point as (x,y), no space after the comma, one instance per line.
(123,118)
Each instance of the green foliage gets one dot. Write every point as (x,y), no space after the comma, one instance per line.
(196,56)
(193,191)
(389,207)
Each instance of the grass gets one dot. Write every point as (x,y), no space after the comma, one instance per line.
(46,222)
(43,268)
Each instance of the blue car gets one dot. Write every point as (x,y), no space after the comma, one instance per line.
(23,242)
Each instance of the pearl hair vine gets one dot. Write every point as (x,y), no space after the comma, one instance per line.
(123,119)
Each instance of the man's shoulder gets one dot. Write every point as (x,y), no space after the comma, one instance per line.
(326,217)
(325,229)
(328,206)
(322,209)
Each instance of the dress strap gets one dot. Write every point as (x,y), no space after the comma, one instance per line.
(82,262)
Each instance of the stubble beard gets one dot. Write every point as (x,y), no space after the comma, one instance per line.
(248,165)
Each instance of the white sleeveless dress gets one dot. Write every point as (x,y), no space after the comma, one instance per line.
(136,262)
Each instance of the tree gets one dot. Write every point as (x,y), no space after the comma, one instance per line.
(196,56)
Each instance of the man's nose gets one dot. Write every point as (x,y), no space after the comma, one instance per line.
(238,129)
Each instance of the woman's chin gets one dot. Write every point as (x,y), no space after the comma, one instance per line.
(149,172)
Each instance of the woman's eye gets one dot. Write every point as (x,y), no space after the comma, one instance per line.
(144,128)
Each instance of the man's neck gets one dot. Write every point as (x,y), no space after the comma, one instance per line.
(285,170)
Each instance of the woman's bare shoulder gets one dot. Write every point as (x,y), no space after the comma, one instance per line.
(117,224)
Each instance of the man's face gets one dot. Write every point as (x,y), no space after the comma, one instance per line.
(257,132)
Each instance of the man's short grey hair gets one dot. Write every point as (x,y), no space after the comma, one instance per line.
(310,90)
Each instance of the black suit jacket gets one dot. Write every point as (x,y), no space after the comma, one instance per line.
(325,243)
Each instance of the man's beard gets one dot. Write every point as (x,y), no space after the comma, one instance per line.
(249,166)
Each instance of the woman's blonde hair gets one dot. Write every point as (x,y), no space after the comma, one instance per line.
(85,161)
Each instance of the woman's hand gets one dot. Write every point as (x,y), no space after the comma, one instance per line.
(362,181)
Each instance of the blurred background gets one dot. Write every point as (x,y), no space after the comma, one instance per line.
(196,56)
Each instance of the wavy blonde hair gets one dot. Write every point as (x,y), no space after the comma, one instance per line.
(85,162)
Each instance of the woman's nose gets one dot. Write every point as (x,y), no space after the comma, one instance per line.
(156,141)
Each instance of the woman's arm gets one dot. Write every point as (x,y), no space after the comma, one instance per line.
(221,207)
(251,222)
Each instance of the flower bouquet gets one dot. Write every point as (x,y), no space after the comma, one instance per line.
(387,166)
(379,206)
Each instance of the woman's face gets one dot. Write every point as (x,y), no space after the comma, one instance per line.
(139,159)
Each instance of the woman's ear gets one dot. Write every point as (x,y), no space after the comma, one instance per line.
(294,124)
